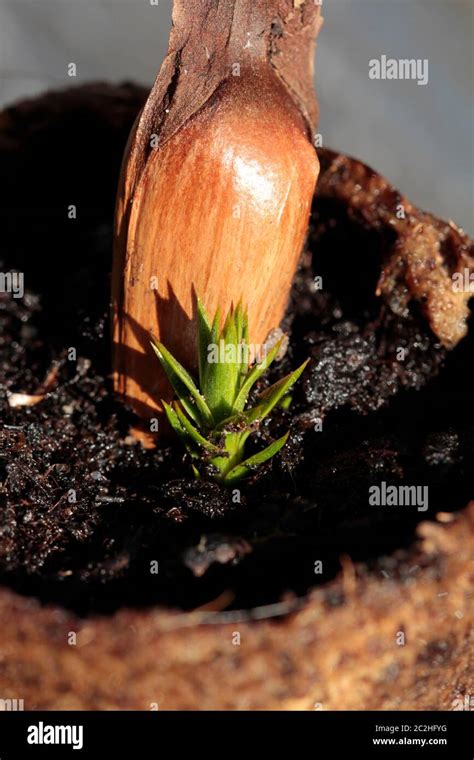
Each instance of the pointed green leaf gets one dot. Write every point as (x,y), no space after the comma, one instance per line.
(234,453)
(221,376)
(230,329)
(270,397)
(179,430)
(245,342)
(241,324)
(172,418)
(238,319)
(184,386)
(245,326)
(179,388)
(204,338)
(231,338)
(192,432)
(255,374)
(215,326)
(245,468)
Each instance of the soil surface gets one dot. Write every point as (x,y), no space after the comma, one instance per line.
(92,520)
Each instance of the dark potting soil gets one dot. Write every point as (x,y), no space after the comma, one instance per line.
(91,520)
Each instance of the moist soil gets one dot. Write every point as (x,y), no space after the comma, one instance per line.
(90,519)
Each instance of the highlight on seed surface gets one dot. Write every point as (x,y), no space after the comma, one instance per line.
(211,418)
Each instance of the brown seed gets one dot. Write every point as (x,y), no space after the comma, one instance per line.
(217,183)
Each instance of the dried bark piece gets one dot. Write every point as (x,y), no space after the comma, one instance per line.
(23,399)
(427,252)
(215,548)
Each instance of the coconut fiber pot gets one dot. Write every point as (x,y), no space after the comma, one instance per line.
(128,585)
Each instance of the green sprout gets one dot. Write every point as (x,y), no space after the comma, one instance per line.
(212,420)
